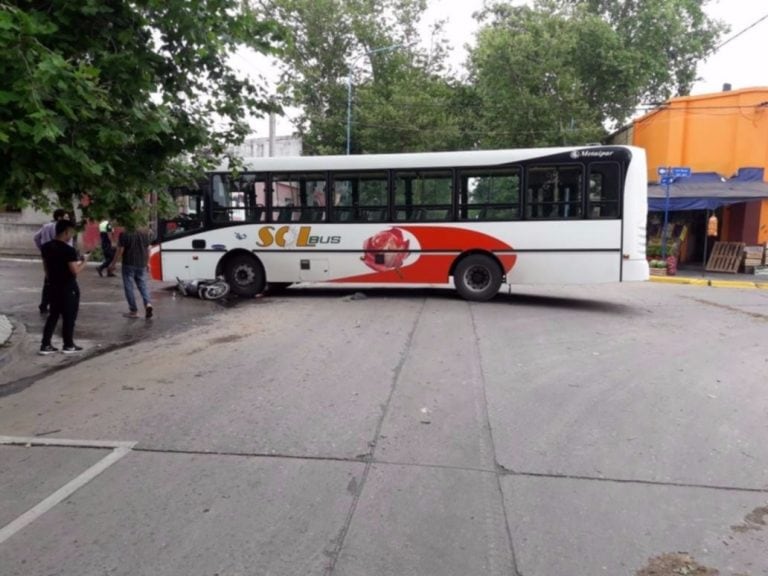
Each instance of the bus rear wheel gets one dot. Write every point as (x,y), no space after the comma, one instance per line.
(477,277)
(244,275)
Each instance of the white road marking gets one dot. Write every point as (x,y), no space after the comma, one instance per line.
(30,259)
(37,441)
(119,449)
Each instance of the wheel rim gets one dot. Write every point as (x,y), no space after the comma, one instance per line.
(477,278)
(244,275)
(216,291)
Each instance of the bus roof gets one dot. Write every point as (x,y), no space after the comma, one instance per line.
(414,160)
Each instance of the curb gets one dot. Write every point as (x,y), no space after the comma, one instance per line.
(6,329)
(743,284)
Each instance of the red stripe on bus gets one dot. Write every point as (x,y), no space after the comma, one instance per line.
(435,268)
(155,264)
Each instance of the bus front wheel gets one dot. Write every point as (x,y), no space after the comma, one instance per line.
(244,275)
(477,277)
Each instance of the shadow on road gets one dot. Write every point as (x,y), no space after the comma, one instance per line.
(567,303)
(521,300)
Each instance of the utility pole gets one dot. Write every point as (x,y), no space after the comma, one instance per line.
(272,123)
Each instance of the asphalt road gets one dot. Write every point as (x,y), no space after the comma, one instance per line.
(100,325)
(553,431)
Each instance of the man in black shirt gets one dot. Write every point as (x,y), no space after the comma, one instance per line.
(133,253)
(47,233)
(62,267)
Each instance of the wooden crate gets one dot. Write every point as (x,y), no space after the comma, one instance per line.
(753,256)
(726,257)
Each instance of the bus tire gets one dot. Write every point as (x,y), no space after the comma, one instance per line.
(477,277)
(244,275)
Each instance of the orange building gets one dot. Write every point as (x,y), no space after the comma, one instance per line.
(721,133)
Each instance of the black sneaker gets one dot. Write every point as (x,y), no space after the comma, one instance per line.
(71,349)
(45,350)
(149,311)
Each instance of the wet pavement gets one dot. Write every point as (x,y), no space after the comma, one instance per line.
(100,325)
(552,431)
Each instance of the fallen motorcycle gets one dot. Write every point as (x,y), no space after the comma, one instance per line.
(203,289)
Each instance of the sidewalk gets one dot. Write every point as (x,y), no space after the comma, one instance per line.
(699,277)
(100,324)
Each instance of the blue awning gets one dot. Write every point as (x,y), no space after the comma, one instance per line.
(709,190)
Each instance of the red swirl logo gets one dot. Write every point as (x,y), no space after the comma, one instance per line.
(386,250)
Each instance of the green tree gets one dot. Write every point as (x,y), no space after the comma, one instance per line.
(407,108)
(403,99)
(560,71)
(668,37)
(116,99)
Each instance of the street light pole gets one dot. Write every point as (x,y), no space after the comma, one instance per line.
(349,85)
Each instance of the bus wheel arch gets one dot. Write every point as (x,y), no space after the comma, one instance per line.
(243,271)
(477,275)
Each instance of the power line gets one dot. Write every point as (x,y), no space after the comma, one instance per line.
(439,103)
(755,23)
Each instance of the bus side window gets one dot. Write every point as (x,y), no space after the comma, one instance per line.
(490,194)
(360,196)
(189,212)
(298,198)
(554,193)
(235,200)
(604,190)
(423,195)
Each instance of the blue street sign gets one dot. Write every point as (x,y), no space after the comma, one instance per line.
(667,180)
(676,171)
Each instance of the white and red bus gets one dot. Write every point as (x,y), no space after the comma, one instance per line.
(476,219)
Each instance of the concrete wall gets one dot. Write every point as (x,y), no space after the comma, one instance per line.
(254,147)
(17,230)
(721,133)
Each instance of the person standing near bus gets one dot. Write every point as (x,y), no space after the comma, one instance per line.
(62,266)
(47,233)
(107,251)
(133,254)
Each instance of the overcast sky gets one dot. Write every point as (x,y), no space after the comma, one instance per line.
(740,62)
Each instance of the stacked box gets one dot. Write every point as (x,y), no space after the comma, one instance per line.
(754,257)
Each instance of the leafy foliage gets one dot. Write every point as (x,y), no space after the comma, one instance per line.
(553,73)
(668,37)
(560,71)
(113,100)
(402,98)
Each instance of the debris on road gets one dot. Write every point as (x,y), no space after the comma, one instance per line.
(755,520)
(679,564)
(356,296)
(6,329)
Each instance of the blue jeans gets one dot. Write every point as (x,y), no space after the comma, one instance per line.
(136,274)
